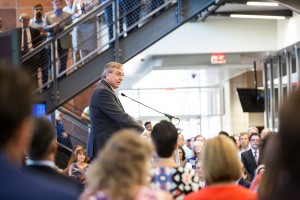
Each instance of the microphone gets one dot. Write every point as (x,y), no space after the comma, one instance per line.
(167,115)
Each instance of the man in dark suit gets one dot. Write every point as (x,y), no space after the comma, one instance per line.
(30,38)
(107,114)
(42,152)
(16,99)
(251,158)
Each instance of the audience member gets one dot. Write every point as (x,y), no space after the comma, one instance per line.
(108,14)
(42,152)
(261,168)
(30,38)
(55,22)
(221,168)
(78,169)
(69,6)
(200,138)
(244,140)
(85,115)
(16,99)
(180,143)
(165,172)
(148,126)
(223,133)
(237,142)
(252,129)
(265,133)
(106,111)
(62,136)
(188,144)
(251,158)
(72,158)
(197,149)
(183,160)
(242,181)
(120,171)
(37,22)
(199,173)
(84,34)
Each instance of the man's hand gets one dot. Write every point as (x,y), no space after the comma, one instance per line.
(65,135)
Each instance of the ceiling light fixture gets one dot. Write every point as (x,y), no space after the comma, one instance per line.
(257,16)
(255,3)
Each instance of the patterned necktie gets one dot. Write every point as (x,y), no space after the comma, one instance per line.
(255,157)
(25,44)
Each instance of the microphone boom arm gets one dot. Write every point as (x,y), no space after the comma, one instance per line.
(167,115)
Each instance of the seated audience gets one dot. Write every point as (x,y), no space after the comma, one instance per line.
(166,174)
(221,168)
(16,99)
(42,152)
(72,159)
(120,171)
(78,169)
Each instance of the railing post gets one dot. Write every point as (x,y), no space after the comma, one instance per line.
(179,11)
(54,73)
(116,29)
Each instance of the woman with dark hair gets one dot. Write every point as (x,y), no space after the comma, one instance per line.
(183,160)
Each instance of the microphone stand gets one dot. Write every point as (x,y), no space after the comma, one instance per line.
(170,117)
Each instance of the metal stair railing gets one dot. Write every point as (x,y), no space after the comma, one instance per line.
(122,44)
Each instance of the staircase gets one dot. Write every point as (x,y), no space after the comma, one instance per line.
(151,28)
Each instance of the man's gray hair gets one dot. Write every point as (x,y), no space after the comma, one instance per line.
(109,67)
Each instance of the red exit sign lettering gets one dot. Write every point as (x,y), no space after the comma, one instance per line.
(218,58)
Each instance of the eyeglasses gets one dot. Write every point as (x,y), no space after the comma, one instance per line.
(118,74)
(253,140)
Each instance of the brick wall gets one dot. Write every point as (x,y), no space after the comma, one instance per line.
(10,10)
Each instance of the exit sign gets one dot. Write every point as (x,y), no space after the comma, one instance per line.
(218,58)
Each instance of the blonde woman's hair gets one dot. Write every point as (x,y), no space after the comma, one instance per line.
(220,162)
(121,165)
(109,68)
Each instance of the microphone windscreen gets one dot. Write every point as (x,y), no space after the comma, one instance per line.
(123,94)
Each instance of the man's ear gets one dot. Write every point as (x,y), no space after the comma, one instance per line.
(19,143)
(54,147)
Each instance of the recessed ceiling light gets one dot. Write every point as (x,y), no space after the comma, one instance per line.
(255,3)
(257,16)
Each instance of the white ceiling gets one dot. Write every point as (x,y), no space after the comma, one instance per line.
(173,71)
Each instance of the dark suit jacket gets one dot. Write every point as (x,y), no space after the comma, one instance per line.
(54,175)
(36,39)
(107,116)
(249,162)
(27,185)
(244,183)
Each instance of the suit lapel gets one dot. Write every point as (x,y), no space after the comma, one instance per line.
(110,89)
